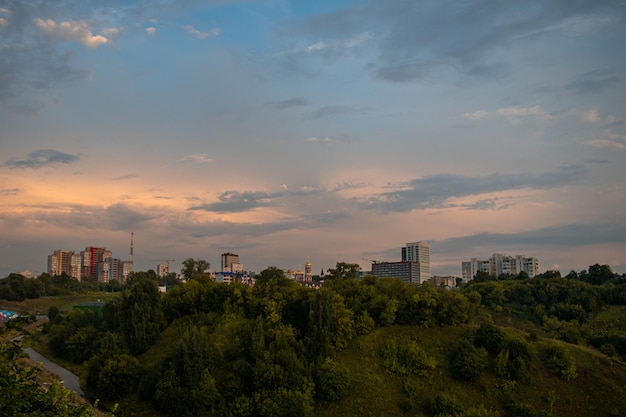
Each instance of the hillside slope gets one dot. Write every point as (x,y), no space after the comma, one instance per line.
(376,390)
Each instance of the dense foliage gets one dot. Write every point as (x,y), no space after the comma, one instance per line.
(22,395)
(205,348)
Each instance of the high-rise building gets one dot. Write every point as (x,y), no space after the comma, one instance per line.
(127,269)
(163,270)
(418,252)
(64,262)
(230,263)
(91,257)
(499,264)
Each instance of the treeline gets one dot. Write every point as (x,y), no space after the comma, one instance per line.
(233,350)
(205,348)
(563,306)
(16,287)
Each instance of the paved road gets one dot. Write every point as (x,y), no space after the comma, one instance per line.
(70,380)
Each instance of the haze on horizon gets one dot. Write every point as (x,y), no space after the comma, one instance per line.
(334,130)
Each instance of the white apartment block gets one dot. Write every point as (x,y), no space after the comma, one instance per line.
(498,264)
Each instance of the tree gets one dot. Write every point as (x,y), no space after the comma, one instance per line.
(331,323)
(468,362)
(118,377)
(21,394)
(331,380)
(600,274)
(343,270)
(482,276)
(194,266)
(141,314)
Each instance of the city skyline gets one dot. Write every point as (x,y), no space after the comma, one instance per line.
(281,130)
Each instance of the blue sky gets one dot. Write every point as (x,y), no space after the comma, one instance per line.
(338,131)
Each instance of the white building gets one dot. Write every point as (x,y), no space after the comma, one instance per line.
(499,264)
(418,252)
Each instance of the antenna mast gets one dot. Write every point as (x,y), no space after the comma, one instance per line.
(131,246)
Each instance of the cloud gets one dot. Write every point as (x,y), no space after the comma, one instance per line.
(77,31)
(42,158)
(314,139)
(412,40)
(512,114)
(10,191)
(607,143)
(286,104)
(125,177)
(592,116)
(437,191)
(238,202)
(332,111)
(202,35)
(3,22)
(151,30)
(118,217)
(200,158)
(563,237)
(594,82)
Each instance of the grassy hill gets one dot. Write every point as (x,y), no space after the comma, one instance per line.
(375,391)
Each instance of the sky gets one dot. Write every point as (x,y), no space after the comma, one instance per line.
(335,131)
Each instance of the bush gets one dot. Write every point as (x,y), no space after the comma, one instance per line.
(445,405)
(406,358)
(118,377)
(468,362)
(490,337)
(364,323)
(331,380)
(561,363)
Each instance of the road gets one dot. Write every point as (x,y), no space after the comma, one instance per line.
(70,380)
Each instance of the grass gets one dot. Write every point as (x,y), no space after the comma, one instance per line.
(63,302)
(597,390)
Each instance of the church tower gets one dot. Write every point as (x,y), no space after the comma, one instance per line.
(308,275)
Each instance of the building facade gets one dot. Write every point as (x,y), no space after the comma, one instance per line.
(418,252)
(230,263)
(64,262)
(407,271)
(499,264)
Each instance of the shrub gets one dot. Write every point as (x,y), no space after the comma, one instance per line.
(468,361)
(364,323)
(445,405)
(490,337)
(561,363)
(331,380)
(406,358)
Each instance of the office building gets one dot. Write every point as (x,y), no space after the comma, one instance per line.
(407,271)
(230,263)
(418,252)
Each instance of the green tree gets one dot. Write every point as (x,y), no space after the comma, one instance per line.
(343,270)
(600,274)
(332,380)
(118,377)
(331,323)
(482,276)
(21,394)
(468,362)
(192,267)
(141,314)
